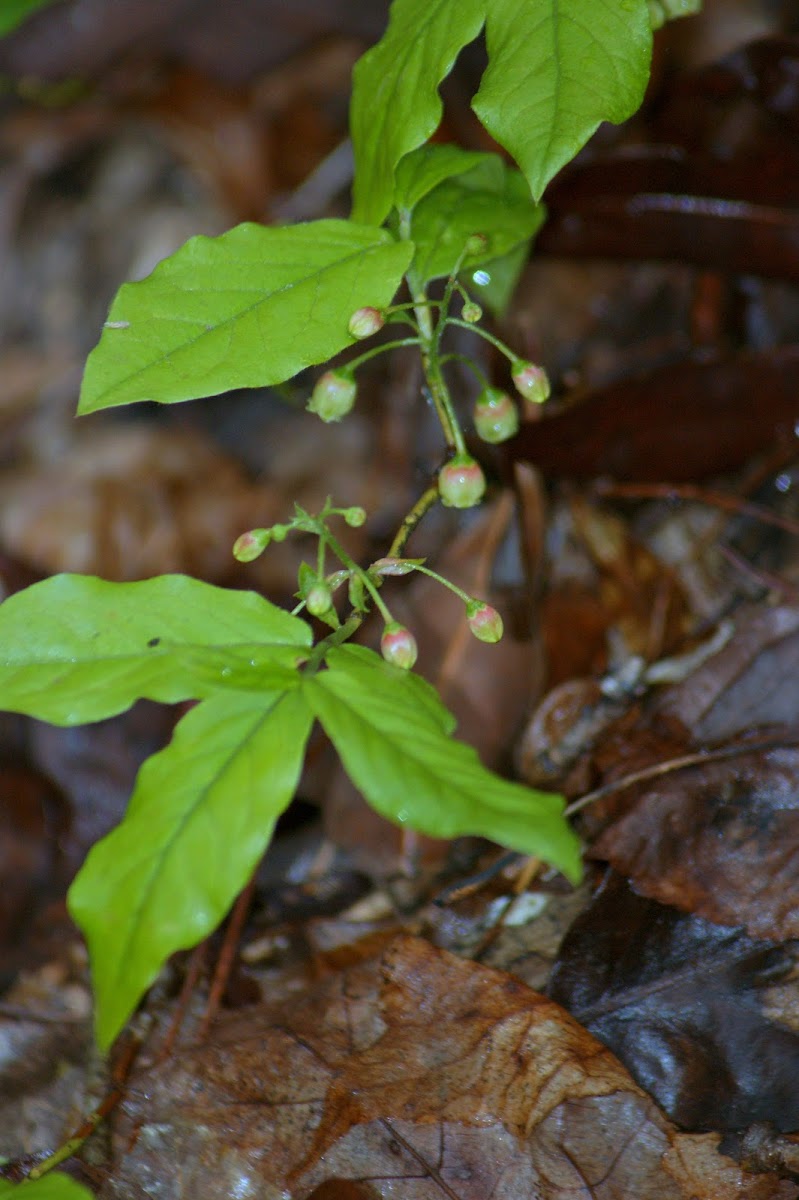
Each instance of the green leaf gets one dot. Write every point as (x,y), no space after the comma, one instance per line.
(250,308)
(395,102)
(54,1186)
(492,199)
(75,648)
(422,170)
(556,70)
(200,817)
(398,754)
(14,12)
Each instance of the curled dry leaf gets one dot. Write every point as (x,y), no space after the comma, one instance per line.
(417,1074)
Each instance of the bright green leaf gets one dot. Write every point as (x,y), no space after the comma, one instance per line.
(200,817)
(14,12)
(422,170)
(55,1186)
(492,199)
(250,308)
(75,648)
(399,755)
(395,101)
(556,70)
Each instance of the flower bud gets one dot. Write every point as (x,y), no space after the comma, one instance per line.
(477,243)
(495,416)
(461,482)
(531,381)
(366,321)
(471,312)
(333,396)
(484,621)
(251,544)
(398,646)
(318,600)
(355,516)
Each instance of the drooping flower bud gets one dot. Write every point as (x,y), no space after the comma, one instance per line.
(318,600)
(495,416)
(531,381)
(251,544)
(471,312)
(398,646)
(366,321)
(333,396)
(484,621)
(461,482)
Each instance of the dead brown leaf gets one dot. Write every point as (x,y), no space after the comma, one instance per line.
(419,1075)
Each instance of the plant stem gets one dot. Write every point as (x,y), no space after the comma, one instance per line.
(396,345)
(343,557)
(489,337)
(411,520)
(345,631)
(428,345)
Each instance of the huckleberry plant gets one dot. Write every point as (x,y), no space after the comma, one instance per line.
(438,235)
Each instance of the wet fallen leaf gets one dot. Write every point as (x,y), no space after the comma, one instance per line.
(676,998)
(417,1074)
(719,839)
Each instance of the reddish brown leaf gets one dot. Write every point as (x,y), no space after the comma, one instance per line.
(720,839)
(682,422)
(421,1075)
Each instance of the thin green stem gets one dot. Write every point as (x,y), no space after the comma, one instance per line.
(469,363)
(343,557)
(342,634)
(483,333)
(411,520)
(447,583)
(396,345)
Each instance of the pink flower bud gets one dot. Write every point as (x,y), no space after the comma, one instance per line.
(461,482)
(531,381)
(251,544)
(495,416)
(333,396)
(398,646)
(484,621)
(366,321)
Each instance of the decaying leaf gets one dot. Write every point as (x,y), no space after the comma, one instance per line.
(677,999)
(417,1074)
